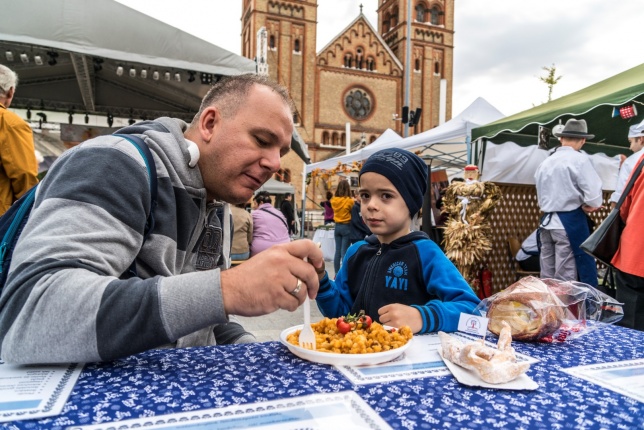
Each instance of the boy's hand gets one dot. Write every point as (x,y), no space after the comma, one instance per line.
(397,315)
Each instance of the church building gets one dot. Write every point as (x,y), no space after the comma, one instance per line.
(361,77)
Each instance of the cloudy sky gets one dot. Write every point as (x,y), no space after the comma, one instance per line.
(501,46)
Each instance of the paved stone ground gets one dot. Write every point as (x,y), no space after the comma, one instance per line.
(269,327)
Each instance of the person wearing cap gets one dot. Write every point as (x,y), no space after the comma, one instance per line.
(397,276)
(568,187)
(636,141)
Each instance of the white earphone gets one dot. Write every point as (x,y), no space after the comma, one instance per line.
(193,150)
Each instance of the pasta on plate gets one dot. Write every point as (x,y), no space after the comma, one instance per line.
(374,339)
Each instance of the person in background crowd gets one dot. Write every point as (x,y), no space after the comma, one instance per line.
(342,202)
(629,270)
(397,276)
(359,230)
(269,225)
(568,187)
(243,232)
(636,141)
(18,164)
(287,210)
(328,209)
(66,299)
(528,254)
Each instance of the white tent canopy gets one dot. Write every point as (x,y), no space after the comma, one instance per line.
(514,164)
(448,142)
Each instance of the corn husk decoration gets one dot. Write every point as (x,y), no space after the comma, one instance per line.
(466,238)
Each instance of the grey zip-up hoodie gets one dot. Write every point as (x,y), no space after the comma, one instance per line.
(64,301)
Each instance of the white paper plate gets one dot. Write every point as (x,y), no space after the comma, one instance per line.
(341,359)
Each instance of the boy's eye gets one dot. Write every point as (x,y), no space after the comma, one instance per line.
(386,196)
(363,196)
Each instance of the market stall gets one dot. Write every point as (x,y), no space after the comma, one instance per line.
(508,153)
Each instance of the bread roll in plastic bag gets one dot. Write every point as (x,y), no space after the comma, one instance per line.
(549,310)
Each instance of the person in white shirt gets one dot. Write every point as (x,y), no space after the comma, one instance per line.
(636,141)
(568,187)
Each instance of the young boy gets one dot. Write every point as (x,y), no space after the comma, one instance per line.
(398,277)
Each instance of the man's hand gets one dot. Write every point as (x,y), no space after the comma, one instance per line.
(397,315)
(264,283)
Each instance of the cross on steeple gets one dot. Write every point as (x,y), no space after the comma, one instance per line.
(360,8)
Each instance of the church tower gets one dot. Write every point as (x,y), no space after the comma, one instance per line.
(291,27)
(353,89)
(429,81)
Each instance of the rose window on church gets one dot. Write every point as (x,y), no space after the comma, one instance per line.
(358,103)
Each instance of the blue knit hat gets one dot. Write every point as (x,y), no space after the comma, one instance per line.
(406,170)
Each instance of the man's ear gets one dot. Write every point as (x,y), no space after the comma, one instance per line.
(9,96)
(209,120)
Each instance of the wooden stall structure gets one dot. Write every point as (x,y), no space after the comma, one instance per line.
(517,214)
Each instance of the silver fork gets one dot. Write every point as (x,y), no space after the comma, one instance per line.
(307,336)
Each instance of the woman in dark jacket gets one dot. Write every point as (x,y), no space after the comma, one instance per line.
(358,229)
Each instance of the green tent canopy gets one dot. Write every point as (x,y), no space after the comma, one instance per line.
(595,104)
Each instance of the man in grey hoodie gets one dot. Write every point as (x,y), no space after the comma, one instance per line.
(66,299)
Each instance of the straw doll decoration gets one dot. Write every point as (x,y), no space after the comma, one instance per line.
(466,237)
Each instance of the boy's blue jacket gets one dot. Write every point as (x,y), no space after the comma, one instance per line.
(412,270)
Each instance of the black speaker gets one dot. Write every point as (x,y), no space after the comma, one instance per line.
(405,115)
(417,116)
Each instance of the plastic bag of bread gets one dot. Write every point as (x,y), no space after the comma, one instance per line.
(549,310)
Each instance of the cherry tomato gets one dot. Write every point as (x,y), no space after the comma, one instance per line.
(343,326)
(351,322)
(365,321)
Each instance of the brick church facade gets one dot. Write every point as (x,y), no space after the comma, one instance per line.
(358,77)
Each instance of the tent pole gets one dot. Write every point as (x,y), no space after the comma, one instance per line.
(427,206)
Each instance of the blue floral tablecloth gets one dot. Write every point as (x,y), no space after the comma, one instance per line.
(178,380)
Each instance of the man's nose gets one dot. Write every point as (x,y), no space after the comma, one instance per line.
(271,160)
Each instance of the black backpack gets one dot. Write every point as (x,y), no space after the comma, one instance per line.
(13,221)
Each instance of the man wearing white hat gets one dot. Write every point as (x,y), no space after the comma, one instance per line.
(636,141)
(568,187)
